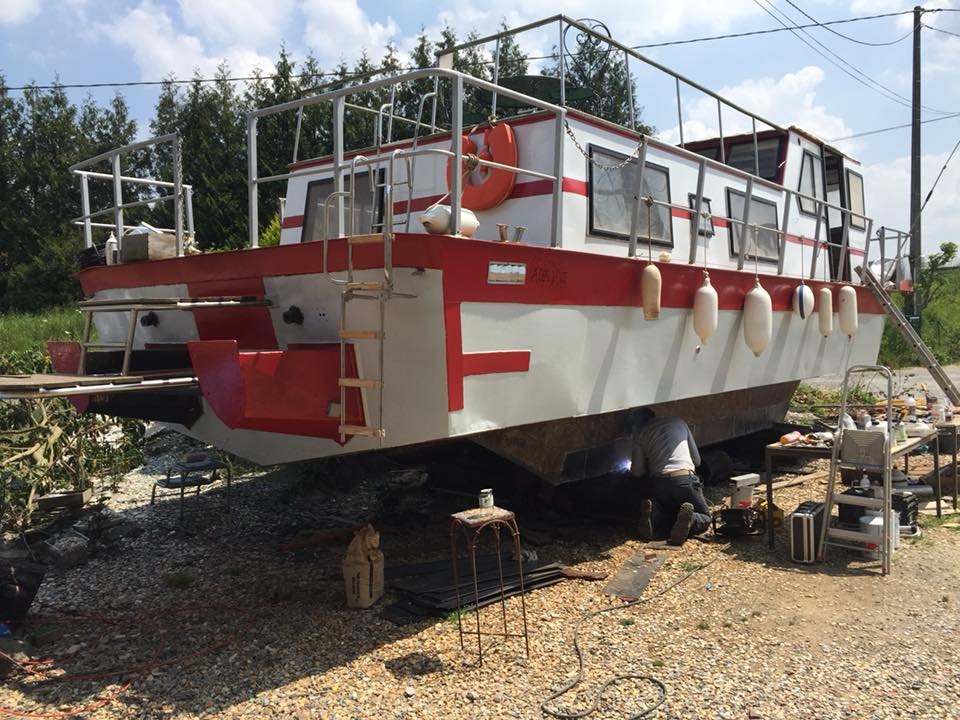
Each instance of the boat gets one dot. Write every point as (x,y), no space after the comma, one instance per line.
(572,270)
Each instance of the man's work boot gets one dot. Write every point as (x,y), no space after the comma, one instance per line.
(681,528)
(645,524)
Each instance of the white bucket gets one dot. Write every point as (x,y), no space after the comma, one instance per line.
(742,497)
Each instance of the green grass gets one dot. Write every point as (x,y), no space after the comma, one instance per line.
(931,521)
(30,331)
(819,400)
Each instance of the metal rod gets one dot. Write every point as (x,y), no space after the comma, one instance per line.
(296,137)
(433,109)
(745,219)
(393,99)
(563,70)
(189,191)
(635,215)
(456,177)
(128,348)
(254,221)
(816,239)
(556,220)
(866,254)
(126,179)
(177,197)
(633,109)
(125,149)
(782,249)
(723,152)
(496,78)
(882,240)
(697,209)
(844,242)
(117,199)
(756,149)
(679,113)
(338,121)
(85,207)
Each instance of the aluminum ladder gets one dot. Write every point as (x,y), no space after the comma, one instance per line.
(864,450)
(910,335)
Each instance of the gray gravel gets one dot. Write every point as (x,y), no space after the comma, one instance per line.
(225,624)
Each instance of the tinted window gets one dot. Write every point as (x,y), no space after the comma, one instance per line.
(741,156)
(811,182)
(762,213)
(613,192)
(368,210)
(855,191)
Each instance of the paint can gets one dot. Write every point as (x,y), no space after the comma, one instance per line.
(486,498)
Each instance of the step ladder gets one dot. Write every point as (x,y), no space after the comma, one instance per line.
(866,451)
(134,307)
(900,321)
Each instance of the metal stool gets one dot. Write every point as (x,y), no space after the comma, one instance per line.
(188,473)
(472,523)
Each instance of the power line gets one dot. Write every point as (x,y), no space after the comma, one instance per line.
(175,81)
(773,30)
(894,127)
(940,175)
(940,30)
(817,23)
(842,64)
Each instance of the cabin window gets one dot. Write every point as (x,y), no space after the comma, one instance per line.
(741,156)
(369,208)
(855,191)
(762,213)
(706,223)
(613,192)
(811,182)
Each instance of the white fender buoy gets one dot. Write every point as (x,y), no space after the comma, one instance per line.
(705,310)
(848,311)
(825,311)
(803,301)
(757,318)
(436,221)
(650,282)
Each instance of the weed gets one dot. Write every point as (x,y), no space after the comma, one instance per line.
(930,521)
(703,625)
(455,614)
(627,622)
(944,598)
(658,663)
(690,566)
(179,579)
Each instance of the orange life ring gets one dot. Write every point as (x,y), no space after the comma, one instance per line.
(487,187)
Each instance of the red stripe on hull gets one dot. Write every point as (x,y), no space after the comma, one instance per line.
(489,363)
(454,348)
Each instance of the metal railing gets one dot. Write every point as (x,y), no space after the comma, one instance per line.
(182,195)
(337,98)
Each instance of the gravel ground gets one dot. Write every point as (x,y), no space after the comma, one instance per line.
(208,617)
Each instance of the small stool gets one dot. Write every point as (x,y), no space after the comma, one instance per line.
(472,523)
(188,473)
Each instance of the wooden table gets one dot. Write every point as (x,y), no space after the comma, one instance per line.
(822,451)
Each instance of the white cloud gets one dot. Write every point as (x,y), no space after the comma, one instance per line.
(18,11)
(788,100)
(887,190)
(237,23)
(160,50)
(340,28)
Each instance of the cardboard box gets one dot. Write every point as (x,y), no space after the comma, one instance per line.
(147,246)
(363,569)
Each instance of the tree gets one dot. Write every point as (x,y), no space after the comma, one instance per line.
(932,280)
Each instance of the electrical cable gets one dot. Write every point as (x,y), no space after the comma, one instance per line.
(894,127)
(817,23)
(598,696)
(850,69)
(941,30)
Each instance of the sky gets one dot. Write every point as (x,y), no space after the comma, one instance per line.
(826,85)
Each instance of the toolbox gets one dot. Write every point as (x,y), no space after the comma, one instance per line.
(806,523)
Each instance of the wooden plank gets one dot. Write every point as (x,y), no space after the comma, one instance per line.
(49,381)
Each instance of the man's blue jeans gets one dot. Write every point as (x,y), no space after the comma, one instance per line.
(669,493)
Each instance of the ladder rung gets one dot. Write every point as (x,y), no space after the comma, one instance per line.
(367,285)
(360,383)
(370,239)
(855,536)
(864,502)
(361,334)
(362,430)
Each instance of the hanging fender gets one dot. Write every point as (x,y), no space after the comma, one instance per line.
(487,187)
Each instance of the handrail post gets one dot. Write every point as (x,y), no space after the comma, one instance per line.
(882,241)
(744,223)
(866,253)
(85,208)
(782,249)
(635,215)
(563,71)
(253,220)
(723,152)
(189,191)
(633,110)
(496,78)
(338,108)
(177,196)
(756,150)
(844,243)
(556,224)
(117,198)
(456,133)
(816,239)
(697,209)
(679,113)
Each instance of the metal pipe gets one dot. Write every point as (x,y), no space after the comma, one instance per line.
(679,113)
(177,197)
(254,220)
(126,179)
(119,151)
(189,191)
(393,99)
(756,149)
(496,78)
(85,207)
(866,255)
(844,242)
(635,215)
(747,202)
(338,113)
(816,239)
(882,240)
(697,209)
(296,137)
(556,219)
(782,249)
(633,109)
(117,199)
(456,177)
(723,152)
(563,71)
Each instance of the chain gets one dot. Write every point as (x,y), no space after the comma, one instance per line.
(629,159)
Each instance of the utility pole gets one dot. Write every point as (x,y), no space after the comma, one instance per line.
(912,304)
